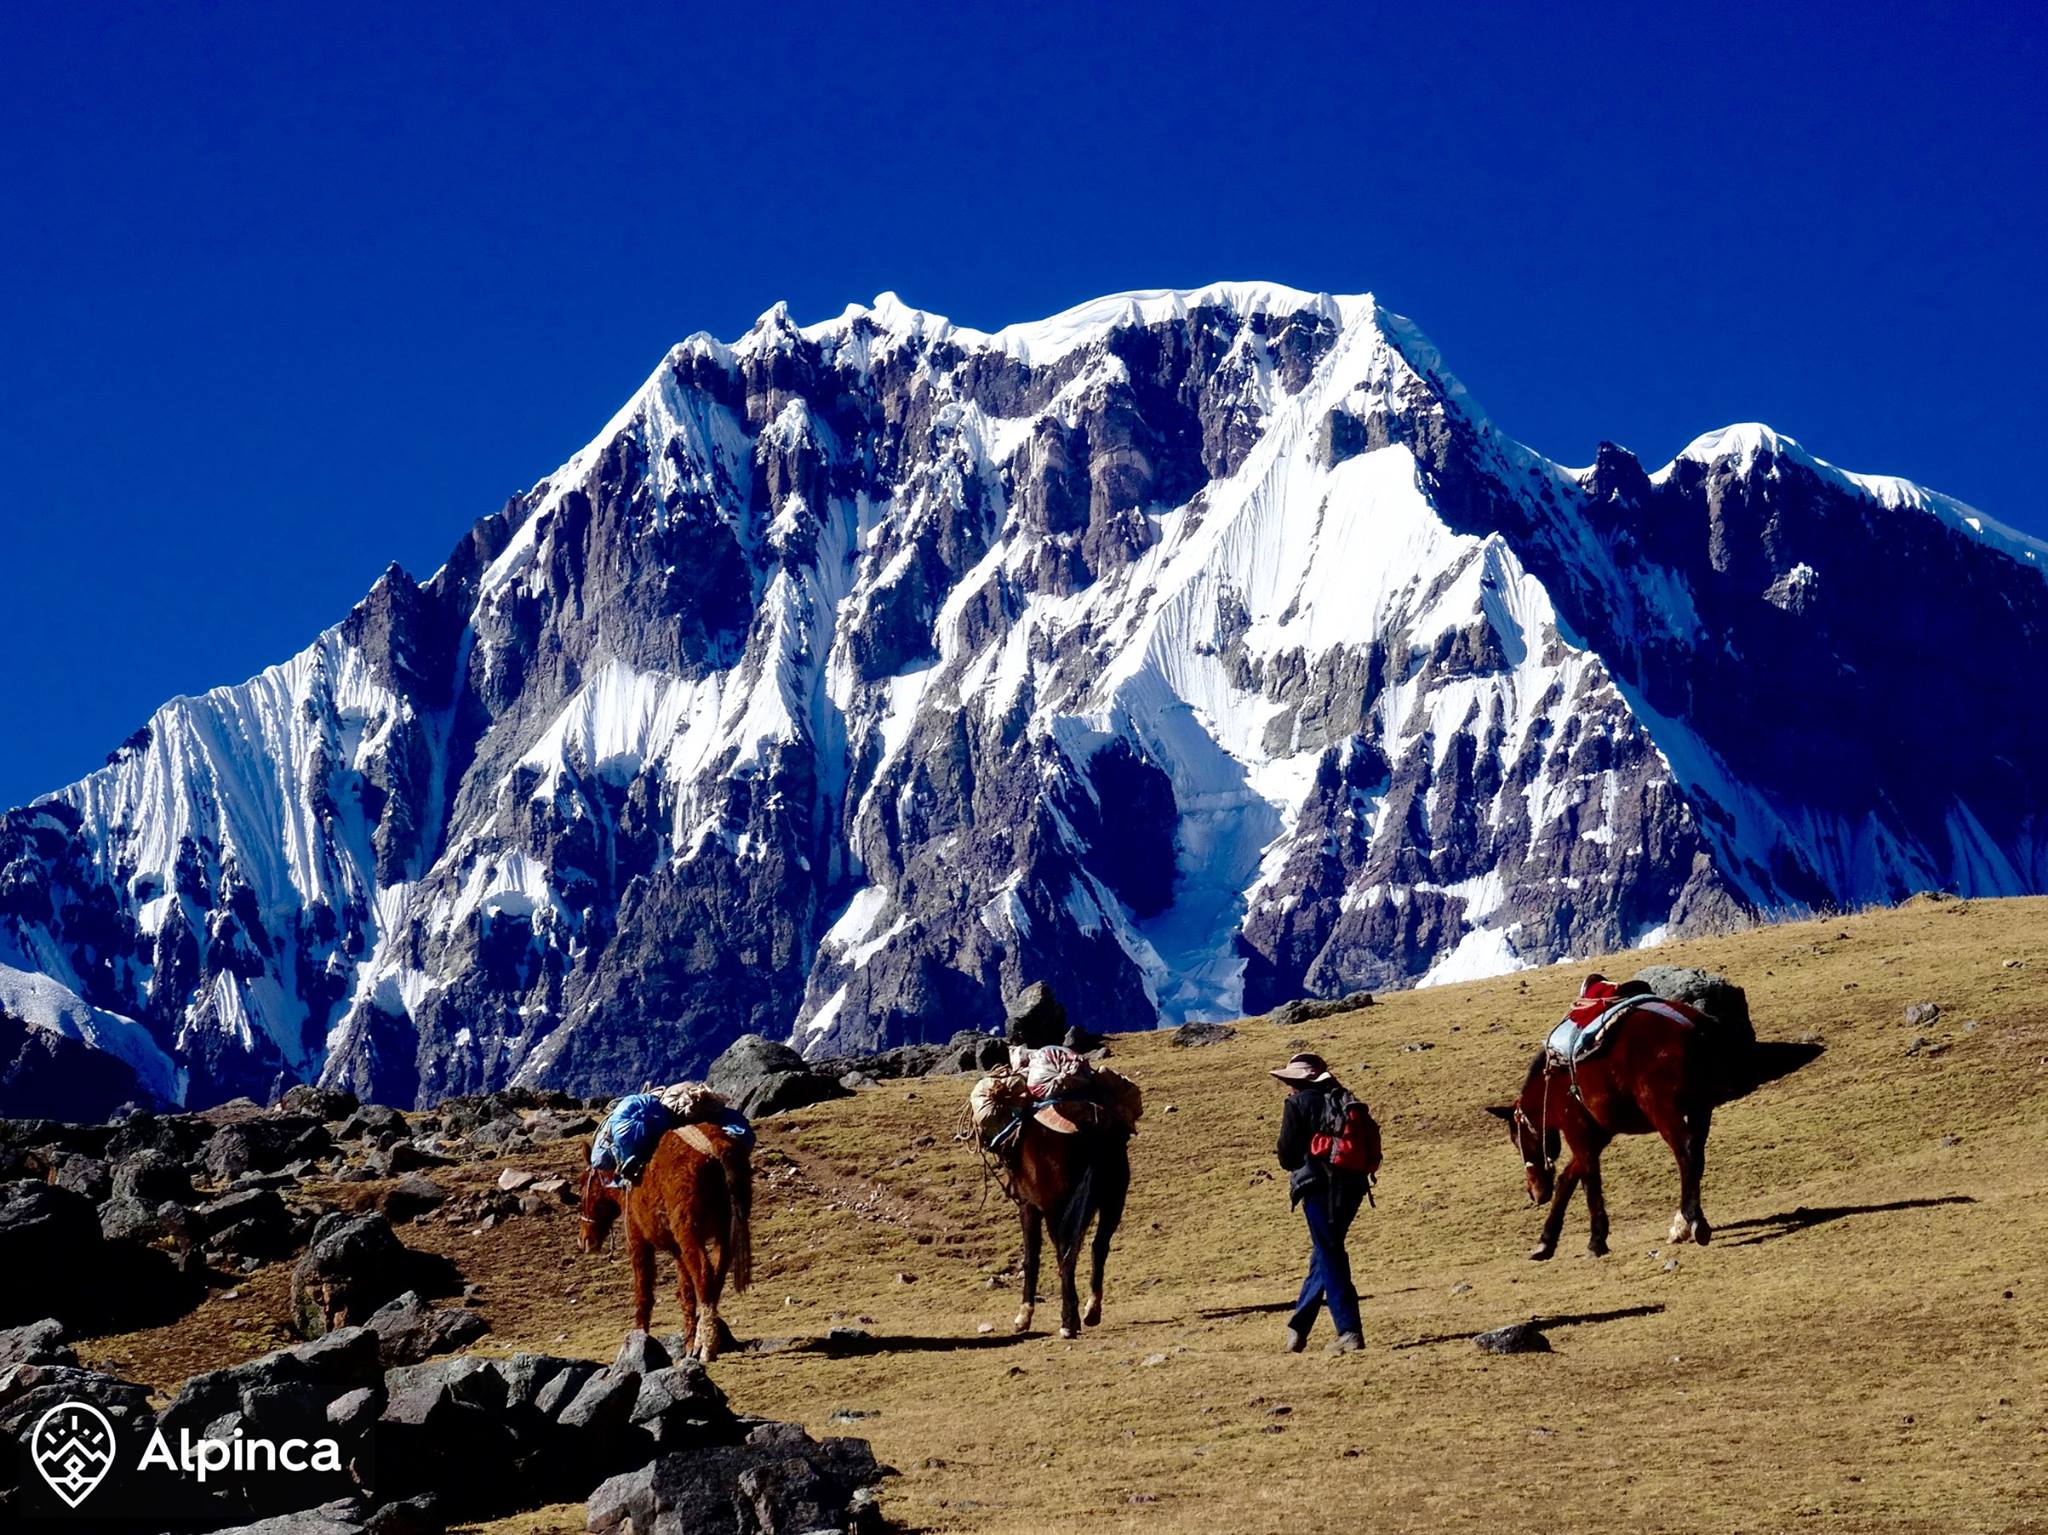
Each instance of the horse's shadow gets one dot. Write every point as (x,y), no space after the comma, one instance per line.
(1541,1323)
(1768,1228)
(1768,1061)
(907,1343)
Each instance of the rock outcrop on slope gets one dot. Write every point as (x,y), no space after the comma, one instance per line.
(1200,650)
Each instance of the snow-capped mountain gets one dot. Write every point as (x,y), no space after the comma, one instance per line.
(1194,650)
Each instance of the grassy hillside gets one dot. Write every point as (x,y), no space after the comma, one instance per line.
(1860,1349)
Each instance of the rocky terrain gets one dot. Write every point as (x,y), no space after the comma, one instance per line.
(1204,650)
(134,1224)
(1855,1350)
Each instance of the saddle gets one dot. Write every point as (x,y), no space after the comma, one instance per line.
(1574,1042)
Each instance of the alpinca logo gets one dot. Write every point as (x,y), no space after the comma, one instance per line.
(73,1448)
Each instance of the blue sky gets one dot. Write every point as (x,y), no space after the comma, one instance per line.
(288,292)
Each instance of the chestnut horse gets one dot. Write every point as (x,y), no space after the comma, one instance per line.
(694,1202)
(1655,1074)
(1065,1181)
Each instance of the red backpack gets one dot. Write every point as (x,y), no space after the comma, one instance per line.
(1355,1145)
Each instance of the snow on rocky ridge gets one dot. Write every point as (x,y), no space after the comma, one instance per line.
(1193,649)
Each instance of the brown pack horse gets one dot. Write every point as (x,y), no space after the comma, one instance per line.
(1657,1075)
(1065,1181)
(693,1202)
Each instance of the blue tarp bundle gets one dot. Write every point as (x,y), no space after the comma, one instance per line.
(630,1133)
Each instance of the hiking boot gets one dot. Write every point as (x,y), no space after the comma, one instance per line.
(1347,1343)
(1296,1341)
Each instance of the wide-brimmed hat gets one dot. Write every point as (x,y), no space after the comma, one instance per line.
(1304,1068)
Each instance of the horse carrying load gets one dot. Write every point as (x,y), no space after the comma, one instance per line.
(1060,1129)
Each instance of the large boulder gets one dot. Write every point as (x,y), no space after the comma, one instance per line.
(445,1432)
(353,1266)
(679,1406)
(84,1175)
(1037,1018)
(49,1240)
(323,1103)
(779,1482)
(760,1076)
(27,1391)
(263,1145)
(35,1343)
(299,1380)
(1715,995)
(410,1330)
(151,1175)
(254,1223)
(372,1122)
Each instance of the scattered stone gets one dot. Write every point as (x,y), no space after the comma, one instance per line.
(513,1179)
(1191,1036)
(1461,1288)
(1308,1009)
(1416,1047)
(1920,1014)
(1515,1338)
(1151,1360)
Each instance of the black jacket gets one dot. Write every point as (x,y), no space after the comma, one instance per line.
(1317,1109)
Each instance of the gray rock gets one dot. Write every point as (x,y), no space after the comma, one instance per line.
(35,1343)
(150,1177)
(263,1145)
(414,1194)
(564,1382)
(27,1391)
(1920,1014)
(410,1330)
(1515,1338)
(679,1405)
(760,1077)
(321,1103)
(604,1404)
(1192,1035)
(641,1354)
(1715,995)
(1036,1017)
(84,1175)
(352,1267)
(1308,1009)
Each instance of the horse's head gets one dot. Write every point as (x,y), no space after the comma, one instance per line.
(599,1208)
(1535,1137)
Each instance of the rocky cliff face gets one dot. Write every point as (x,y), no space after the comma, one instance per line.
(1197,650)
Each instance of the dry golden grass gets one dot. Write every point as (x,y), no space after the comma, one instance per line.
(1860,1349)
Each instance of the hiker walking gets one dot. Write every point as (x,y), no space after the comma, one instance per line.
(1331,1146)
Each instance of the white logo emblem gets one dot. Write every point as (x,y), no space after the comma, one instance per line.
(73,1448)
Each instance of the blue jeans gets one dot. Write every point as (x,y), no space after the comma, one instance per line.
(1329,1211)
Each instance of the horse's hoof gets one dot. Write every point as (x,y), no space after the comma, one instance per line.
(1541,1252)
(1023,1322)
(1070,1333)
(1680,1231)
(1702,1233)
(1596,1250)
(1092,1317)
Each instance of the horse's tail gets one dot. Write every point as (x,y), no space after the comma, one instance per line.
(738,1163)
(1086,1199)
